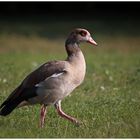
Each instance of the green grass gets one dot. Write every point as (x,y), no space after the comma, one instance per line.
(108,102)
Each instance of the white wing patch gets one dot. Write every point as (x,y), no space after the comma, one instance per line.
(55,75)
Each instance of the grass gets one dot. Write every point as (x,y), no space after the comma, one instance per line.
(108,102)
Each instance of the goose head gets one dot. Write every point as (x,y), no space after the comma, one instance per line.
(80,35)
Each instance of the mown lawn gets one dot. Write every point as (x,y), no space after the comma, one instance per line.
(108,102)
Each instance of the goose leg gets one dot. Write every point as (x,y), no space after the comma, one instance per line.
(42,115)
(62,114)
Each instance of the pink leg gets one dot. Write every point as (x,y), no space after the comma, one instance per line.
(42,115)
(62,114)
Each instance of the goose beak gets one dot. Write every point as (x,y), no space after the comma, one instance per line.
(91,41)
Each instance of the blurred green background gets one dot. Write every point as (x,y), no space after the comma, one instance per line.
(108,102)
(107,21)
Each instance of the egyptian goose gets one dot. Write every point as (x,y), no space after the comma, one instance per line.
(52,81)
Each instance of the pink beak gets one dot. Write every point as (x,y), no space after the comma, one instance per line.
(91,41)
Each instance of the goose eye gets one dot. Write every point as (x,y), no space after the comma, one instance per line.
(82,33)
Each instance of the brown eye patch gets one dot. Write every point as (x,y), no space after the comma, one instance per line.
(83,33)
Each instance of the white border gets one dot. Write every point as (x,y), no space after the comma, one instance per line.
(70,0)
